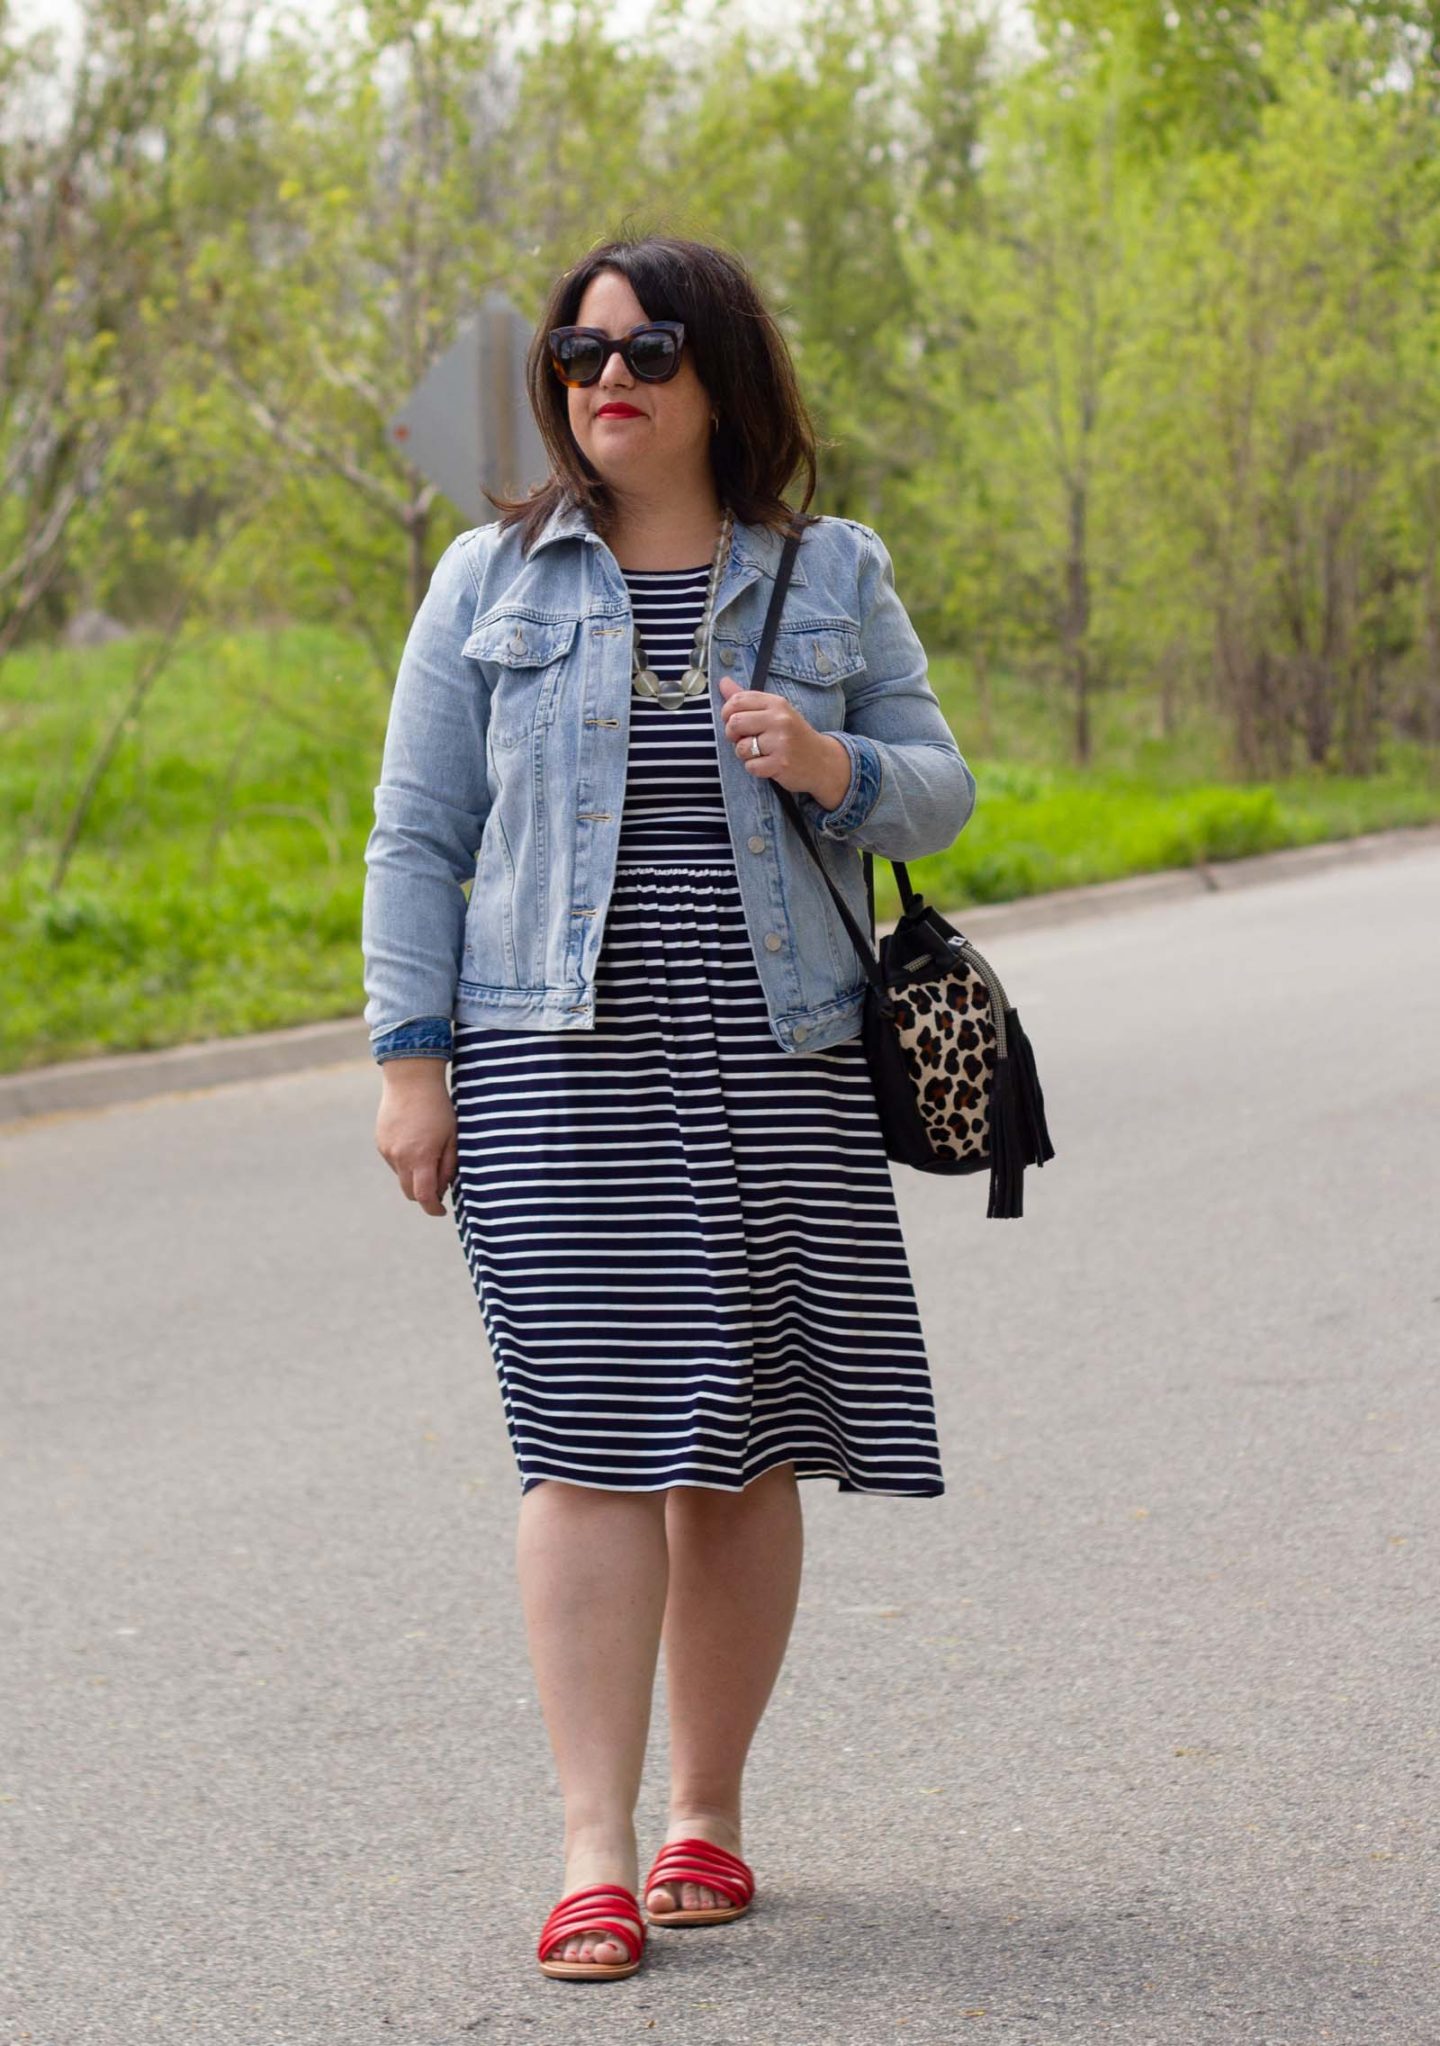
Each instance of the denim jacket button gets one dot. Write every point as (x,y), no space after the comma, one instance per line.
(801,1032)
(773,941)
(756,844)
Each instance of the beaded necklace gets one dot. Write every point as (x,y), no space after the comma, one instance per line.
(671,694)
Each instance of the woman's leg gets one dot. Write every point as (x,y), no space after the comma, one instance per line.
(735,1565)
(592,1570)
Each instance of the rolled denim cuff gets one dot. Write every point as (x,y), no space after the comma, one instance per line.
(859,798)
(423,1037)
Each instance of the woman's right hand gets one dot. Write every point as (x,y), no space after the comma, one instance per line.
(415,1129)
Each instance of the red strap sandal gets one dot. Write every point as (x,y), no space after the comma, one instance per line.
(599,1907)
(700,1861)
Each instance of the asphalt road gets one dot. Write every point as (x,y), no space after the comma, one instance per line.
(1131,1736)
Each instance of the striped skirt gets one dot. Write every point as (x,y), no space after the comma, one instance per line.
(684,1240)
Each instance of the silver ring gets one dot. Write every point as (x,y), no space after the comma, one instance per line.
(755,744)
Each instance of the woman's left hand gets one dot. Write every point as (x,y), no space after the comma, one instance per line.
(792,752)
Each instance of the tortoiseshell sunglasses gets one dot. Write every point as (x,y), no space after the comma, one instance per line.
(650,352)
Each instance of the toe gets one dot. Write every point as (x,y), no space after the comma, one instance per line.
(592,1946)
(683,1897)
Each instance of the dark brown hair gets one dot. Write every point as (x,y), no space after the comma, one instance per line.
(740,355)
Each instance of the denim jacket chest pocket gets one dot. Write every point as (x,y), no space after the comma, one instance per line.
(526,650)
(811,661)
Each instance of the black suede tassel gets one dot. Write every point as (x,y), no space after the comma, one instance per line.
(1018,1132)
(1034,1135)
(1007,1163)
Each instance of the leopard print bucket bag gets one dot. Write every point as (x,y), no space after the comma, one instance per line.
(953,1071)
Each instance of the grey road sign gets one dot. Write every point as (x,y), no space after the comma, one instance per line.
(468,425)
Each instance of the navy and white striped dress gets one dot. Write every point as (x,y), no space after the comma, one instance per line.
(683,1239)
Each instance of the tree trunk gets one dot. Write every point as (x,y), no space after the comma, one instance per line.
(1076,626)
(417,525)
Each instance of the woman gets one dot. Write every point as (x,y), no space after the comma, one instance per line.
(667,1171)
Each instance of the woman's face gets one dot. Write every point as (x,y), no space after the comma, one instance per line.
(633,432)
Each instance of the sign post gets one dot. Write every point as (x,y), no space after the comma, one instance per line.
(467,426)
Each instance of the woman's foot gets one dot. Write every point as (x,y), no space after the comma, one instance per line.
(721,1831)
(597,1858)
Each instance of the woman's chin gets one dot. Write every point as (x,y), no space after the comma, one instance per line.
(614,469)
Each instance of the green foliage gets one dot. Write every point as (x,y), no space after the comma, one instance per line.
(218,887)
(1128,342)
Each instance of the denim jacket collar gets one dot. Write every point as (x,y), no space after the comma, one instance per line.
(754,550)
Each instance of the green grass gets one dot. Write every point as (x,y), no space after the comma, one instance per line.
(1153,803)
(217,886)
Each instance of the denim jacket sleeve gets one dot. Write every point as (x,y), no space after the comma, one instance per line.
(911,791)
(430,809)
(859,797)
(428,1037)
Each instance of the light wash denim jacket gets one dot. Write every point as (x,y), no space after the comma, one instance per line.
(505,763)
